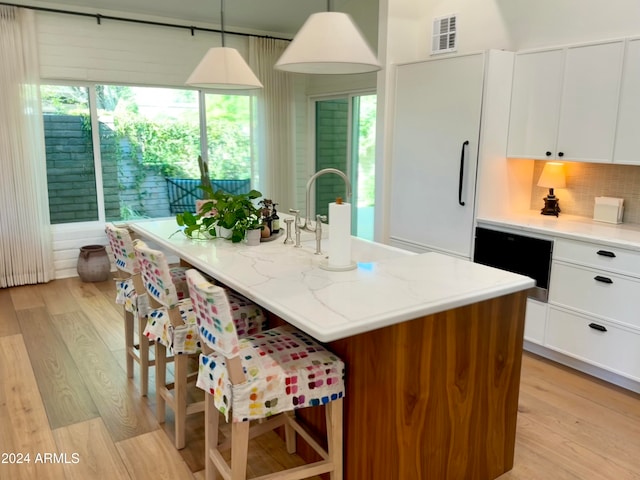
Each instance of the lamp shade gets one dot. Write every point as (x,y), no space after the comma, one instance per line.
(223,67)
(552,176)
(328,43)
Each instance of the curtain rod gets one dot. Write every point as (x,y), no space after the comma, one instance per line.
(99,17)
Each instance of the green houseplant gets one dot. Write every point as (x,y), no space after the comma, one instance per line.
(235,212)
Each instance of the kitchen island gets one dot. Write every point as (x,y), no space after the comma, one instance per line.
(432,346)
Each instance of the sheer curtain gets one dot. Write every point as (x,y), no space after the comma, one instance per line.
(275,118)
(26,254)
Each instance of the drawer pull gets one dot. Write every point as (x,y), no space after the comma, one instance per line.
(606,253)
(602,279)
(600,328)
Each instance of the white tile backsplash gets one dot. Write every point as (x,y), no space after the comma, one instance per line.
(585,181)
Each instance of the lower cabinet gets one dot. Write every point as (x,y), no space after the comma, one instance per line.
(591,320)
(593,314)
(596,341)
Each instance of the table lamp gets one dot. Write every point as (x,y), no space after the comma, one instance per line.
(552,177)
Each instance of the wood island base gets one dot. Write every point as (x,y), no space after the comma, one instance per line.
(432,398)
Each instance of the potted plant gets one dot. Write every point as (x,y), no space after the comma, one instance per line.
(236,213)
(252,226)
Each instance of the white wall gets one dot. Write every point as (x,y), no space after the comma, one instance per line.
(540,23)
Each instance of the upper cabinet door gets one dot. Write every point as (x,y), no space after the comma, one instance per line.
(589,107)
(535,104)
(565,103)
(627,147)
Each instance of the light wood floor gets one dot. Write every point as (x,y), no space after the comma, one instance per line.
(64,391)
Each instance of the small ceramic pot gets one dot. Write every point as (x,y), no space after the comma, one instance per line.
(252,237)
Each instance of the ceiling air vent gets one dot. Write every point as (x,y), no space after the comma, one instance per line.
(444,35)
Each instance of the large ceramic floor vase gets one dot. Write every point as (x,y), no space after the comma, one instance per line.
(93,263)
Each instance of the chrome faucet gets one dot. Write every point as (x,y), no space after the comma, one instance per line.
(307,220)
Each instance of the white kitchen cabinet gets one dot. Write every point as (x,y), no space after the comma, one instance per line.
(436,140)
(589,106)
(595,341)
(627,146)
(535,104)
(565,103)
(594,300)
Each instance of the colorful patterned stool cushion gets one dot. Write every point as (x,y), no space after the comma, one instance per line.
(139,304)
(285,370)
(248,318)
(183,339)
(165,285)
(121,246)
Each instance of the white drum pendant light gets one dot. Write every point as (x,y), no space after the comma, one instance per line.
(223,67)
(328,43)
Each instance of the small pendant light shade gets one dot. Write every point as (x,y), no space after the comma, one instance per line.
(223,67)
(328,43)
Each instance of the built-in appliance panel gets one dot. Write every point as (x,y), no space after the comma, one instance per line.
(601,256)
(597,342)
(598,292)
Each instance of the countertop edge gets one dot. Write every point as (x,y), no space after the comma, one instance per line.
(570,227)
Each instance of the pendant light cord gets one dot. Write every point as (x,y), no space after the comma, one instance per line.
(222,20)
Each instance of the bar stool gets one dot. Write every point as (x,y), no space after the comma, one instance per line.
(130,293)
(264,376)
(172,324)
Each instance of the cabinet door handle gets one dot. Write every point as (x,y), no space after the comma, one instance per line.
(598,327)
(606,253)
(548,154)
(599,278)
(464,144)
(561,154)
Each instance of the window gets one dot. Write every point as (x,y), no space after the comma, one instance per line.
(345,139)
(69,149)
(121,152)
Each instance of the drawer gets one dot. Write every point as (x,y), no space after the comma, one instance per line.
(616,350)
(576,287)
(597,256)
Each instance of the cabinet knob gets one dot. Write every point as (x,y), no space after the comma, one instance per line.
(560,154)
(548,154)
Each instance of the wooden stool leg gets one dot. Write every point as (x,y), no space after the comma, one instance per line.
(239,450)
(180,398)
(128,341)
(334,437)
(144,357)
(211,421)
(290,435)
(161,381)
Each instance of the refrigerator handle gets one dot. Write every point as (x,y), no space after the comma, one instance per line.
(464,144)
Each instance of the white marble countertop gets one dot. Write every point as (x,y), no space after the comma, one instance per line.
(568,226)
(389,285)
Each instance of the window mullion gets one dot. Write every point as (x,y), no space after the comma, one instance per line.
(204,141)
(97,158)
